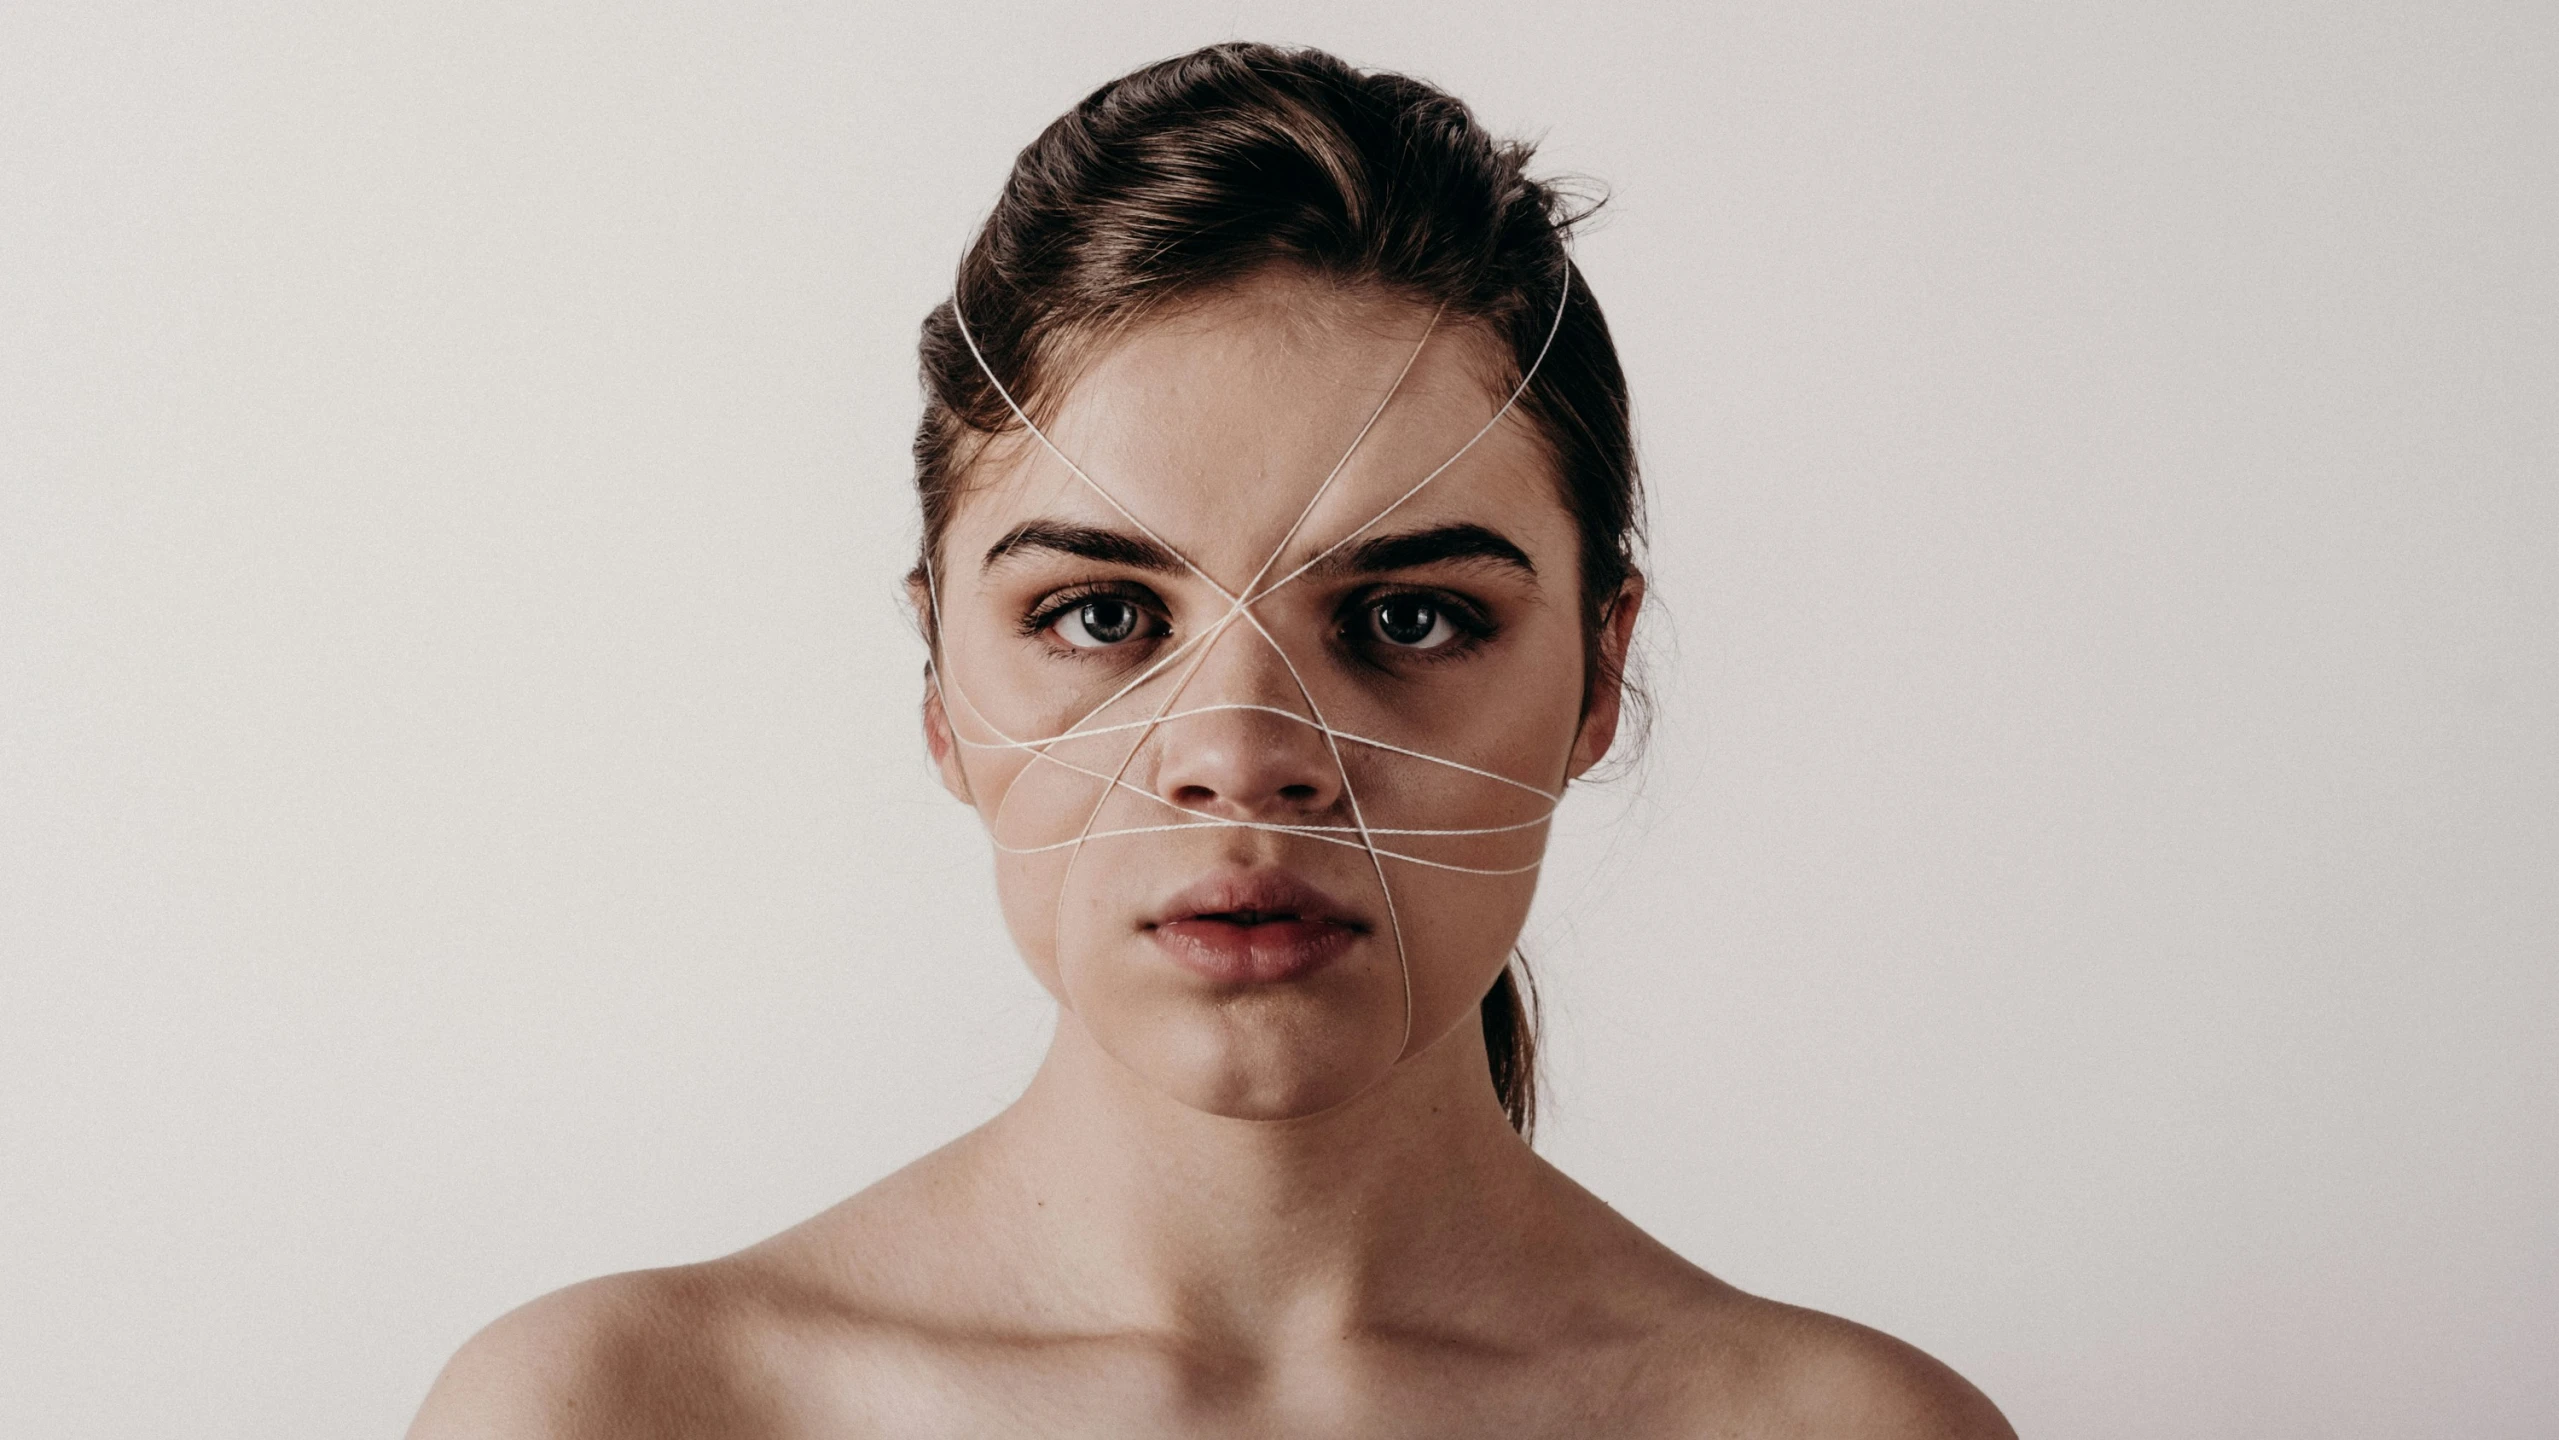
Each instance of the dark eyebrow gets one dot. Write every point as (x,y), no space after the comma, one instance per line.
(1435,546)
(1110,547)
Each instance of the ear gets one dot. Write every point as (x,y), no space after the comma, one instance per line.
(1608,687)
(941,744)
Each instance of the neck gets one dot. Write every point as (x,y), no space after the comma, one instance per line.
(1162,1216)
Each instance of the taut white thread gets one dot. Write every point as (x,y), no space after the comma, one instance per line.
(1240,607)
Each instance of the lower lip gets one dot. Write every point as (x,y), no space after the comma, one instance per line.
(1264,954)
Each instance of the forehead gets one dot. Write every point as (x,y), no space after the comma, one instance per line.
(1215,426)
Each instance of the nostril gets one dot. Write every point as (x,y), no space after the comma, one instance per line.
(1297,793)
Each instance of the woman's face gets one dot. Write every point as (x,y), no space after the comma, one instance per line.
(1263,854)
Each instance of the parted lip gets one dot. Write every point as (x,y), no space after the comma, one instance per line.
(1253,898)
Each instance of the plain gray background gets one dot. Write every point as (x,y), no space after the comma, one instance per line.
(2091,906)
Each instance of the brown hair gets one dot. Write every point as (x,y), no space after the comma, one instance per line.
(1193,173)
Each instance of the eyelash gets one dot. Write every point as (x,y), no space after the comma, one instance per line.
(1474,627)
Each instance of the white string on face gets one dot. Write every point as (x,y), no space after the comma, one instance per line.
(1359,834)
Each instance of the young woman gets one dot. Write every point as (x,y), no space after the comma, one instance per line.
(1278,572)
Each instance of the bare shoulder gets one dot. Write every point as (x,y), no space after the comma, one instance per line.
(807,1332)
(652,1352)
(1784,1371)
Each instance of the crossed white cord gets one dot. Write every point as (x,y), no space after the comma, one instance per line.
(1239,608)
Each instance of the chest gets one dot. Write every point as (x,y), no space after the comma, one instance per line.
(1127,1391)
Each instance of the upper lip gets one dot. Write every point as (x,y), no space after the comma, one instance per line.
(1253,897)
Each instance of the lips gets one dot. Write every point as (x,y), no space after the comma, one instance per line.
(1260,928)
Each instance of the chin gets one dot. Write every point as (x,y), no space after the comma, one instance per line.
(1270,1098)
(1247,1061)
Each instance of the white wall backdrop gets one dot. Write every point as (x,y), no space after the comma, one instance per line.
(2092,905)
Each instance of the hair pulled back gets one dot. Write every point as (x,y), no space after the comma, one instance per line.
(1196,173)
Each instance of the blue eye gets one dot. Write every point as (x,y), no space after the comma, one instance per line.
(1099,622)
(1410,622)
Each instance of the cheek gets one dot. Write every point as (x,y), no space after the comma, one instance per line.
(1027,889)
(1462,928)
(1027,735)
(1517,720)
(1037,808)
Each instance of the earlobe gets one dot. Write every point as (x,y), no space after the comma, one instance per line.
(1599,729)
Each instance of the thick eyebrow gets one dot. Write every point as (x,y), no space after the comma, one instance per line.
(1414,548)
(1110,547)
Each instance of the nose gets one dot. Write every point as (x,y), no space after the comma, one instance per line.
(1244,764)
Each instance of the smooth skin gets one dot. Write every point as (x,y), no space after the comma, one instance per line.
(1290,1209)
